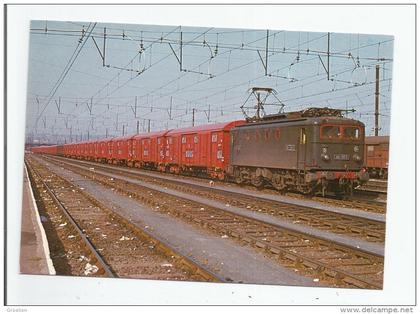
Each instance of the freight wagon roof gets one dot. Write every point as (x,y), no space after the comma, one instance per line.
(151,134)
(45,146)
(376,139)
(85,142)
(105,139)
(225,126)
(123,138)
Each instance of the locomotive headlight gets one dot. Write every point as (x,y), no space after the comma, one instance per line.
(325,157)
(356,157)
(324,154)
(356,149)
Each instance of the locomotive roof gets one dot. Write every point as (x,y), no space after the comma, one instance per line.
(208,127)
(300,121)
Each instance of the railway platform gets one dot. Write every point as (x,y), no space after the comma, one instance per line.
(34,250)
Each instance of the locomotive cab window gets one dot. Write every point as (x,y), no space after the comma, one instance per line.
(330,132)
(351,132)
(340,132)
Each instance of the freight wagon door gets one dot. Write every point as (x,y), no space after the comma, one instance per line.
(216,149)
(184,150)
(196,150)
(188,152)
(301,149)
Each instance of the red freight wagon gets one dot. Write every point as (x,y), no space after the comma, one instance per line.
(377,155)
(149,149)
(90,150)
(79,150)
(95,150)
(72,150)
(104,150)
(201,149)
(66,149)
(37,149)
(85,150)
(51,150)
(120,149)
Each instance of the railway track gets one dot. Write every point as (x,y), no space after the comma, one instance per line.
(70,250)
(364,204)
(361,204)
(326,261)
(376,183)
(114,246)
(374,187)
(367,229)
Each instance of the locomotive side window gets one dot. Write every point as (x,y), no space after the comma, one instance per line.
(351,132)
(330,131)
(214,138)
(302,136)
(196,139)
(184,140)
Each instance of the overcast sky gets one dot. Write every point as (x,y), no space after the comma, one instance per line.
(72,95)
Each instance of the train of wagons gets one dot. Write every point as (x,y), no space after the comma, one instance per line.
(313,151)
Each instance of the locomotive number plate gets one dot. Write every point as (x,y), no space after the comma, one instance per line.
(291,148)
(341,157)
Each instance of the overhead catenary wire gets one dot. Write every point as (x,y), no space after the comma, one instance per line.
(181,96)
(65,72)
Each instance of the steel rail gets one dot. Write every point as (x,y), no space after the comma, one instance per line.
(352,225)
(162,245)
(108,270)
